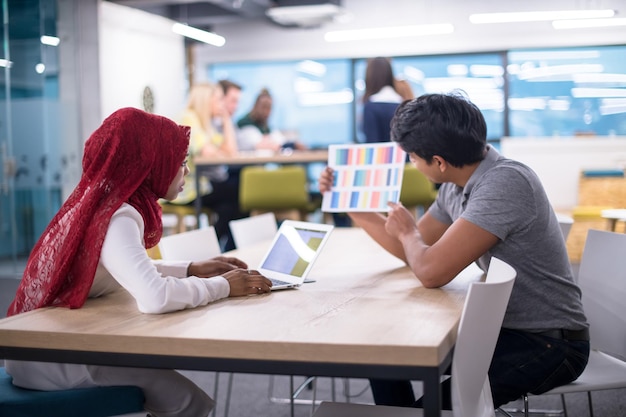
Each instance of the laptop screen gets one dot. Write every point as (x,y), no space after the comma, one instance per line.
(295,248)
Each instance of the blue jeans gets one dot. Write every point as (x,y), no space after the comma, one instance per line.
(522,362)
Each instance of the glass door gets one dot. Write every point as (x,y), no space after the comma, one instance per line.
(29,161)
(8,166)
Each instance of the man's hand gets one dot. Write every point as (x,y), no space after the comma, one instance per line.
(400,221)
(326,180)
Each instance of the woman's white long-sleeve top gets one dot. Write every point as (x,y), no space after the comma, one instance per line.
(157,286)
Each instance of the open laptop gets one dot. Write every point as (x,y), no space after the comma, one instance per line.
(293,251)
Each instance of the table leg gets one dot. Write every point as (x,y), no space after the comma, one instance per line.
(612,223)
(198,202)
(432,395)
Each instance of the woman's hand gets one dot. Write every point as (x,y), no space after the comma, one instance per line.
(215,266)
(326,179)
(246,282)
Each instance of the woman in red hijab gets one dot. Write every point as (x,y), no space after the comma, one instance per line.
(97,242)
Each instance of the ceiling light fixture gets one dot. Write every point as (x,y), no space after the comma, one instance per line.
(388,32)
(588,23)
(198,34)
(310,15)
(50,40)
(538,16)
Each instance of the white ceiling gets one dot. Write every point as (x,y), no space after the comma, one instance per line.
(250,35)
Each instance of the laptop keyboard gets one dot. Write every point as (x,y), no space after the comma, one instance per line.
(278,282)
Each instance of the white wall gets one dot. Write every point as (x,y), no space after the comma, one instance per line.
(262,40)
(559,161)
(138,49)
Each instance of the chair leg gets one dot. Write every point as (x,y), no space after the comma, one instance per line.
(229,390)
(525,405)
(563,405)
(292,397)
(590,403)
(215,386)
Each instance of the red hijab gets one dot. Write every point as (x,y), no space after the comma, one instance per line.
(132,157)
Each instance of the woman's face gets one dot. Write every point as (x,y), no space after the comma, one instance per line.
(217,107)
(178,182)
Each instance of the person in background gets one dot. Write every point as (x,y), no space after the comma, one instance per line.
(97,244)
(232,95)
(254,131)
(403,88)
(219,191)
(487,206)
(380,100)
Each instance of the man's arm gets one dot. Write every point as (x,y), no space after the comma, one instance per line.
(436,262)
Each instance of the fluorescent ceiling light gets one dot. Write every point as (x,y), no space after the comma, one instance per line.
(50,40)
(199,35)
(305,15)
(312,67)
(588,23)
(557,72)
(326,98)
(578,92)
(612,106)
(538,16)
(388,32)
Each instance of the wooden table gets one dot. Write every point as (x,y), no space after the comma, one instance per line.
(262,157)
(365,316)
(613,216)
(255,158)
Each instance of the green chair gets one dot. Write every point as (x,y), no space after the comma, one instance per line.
(81,402)
(281,190)
(417,191)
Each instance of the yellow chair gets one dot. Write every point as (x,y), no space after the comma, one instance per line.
(282,190)
(417,191)
(183,214)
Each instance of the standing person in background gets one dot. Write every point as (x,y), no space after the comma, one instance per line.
(96,244)
(379,101)
(403,87)
(254,131)
(218,190)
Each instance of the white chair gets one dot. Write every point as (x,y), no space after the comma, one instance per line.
(247,232)
(602,279)
(253,229)
(193,245)
(477,335)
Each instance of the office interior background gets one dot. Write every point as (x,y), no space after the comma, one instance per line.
(533,82)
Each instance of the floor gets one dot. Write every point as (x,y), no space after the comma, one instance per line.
(251,393)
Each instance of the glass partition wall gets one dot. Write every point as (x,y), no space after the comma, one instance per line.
(30,154)
(522,93)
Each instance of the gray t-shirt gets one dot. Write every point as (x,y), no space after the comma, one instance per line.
(507,199)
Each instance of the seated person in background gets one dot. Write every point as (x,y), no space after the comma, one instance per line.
(220,193)
(254,132)
(97,242)
(487,206)
(232,94)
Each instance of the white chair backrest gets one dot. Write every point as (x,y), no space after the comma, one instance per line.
(479,328)
(254,229)
(193,245)
(566,223)
(602,279)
